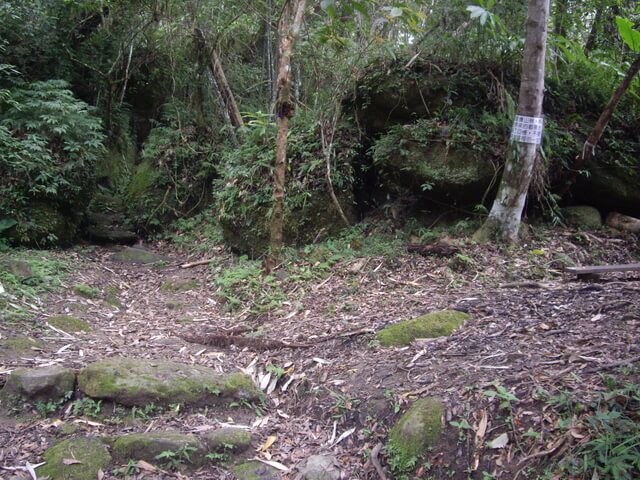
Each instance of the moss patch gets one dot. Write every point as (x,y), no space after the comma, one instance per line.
(255,471)
(139,256)
(431,325)
(179,285)
(90,452)
(69,324)
(20,344)
(86,291)
(416,431)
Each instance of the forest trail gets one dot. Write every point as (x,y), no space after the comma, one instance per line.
(542,331)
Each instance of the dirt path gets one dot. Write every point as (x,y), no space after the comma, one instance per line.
(544,332)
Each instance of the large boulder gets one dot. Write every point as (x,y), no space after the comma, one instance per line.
(138,382)
(38,385)
(415,434)
(431,325)
(76,459)
(302,224)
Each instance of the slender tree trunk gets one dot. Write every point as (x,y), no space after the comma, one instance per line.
(503,223)
(560,18)
(215,66)
(589,149)
(285,109)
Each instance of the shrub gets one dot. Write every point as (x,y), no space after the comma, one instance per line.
(50,142)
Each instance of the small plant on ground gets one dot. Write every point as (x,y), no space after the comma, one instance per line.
(51,406)
(128,470)
(87,407)
(145,412)
(174,458)
(86,291)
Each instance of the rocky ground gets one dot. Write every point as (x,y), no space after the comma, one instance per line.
(331,390)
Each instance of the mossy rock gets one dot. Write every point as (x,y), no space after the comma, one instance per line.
(21,344)
(179,285)
(138,382)
(302,224)
(91,454)
(431,325)
(225,439)
(139,256)
(69,324)
(253,470)
(582,216)
(48,225)
(38,385)
(20,269)
(188,449)
(415,433)
(453,174)
(86,291)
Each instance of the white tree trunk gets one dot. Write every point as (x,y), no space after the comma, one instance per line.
(503,223)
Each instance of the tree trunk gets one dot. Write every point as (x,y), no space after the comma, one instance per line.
(589,149)
(503,223)
(220,78)
(284,109)
(595,28)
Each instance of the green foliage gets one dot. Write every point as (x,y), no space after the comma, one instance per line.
(243,193)
(87,407)
(173,178)
(610,418)
(50,142)
(51,406)
(173,459)
(20,293)
(86,291)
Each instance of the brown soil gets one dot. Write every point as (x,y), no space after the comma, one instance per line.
(533,328)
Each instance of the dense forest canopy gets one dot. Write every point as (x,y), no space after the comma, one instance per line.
(163,109)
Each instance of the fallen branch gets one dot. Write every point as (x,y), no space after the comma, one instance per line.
(608,366)
(199,262)
(376,463)
(524,285)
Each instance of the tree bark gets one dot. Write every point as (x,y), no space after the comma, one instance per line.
(589,149)
(215,65)
(503,222)
(284,108)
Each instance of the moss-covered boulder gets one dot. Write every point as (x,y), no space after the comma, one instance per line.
(582,216)
(225,439)
(48,224)
(320,467)
(610,186)
(303,223)
(20,269)
(138,382)
(457,174)
(38,385)
(187,450)
(139,256)
(431,325)
(69,324)
(254,470)
(415,433)
(76,459)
